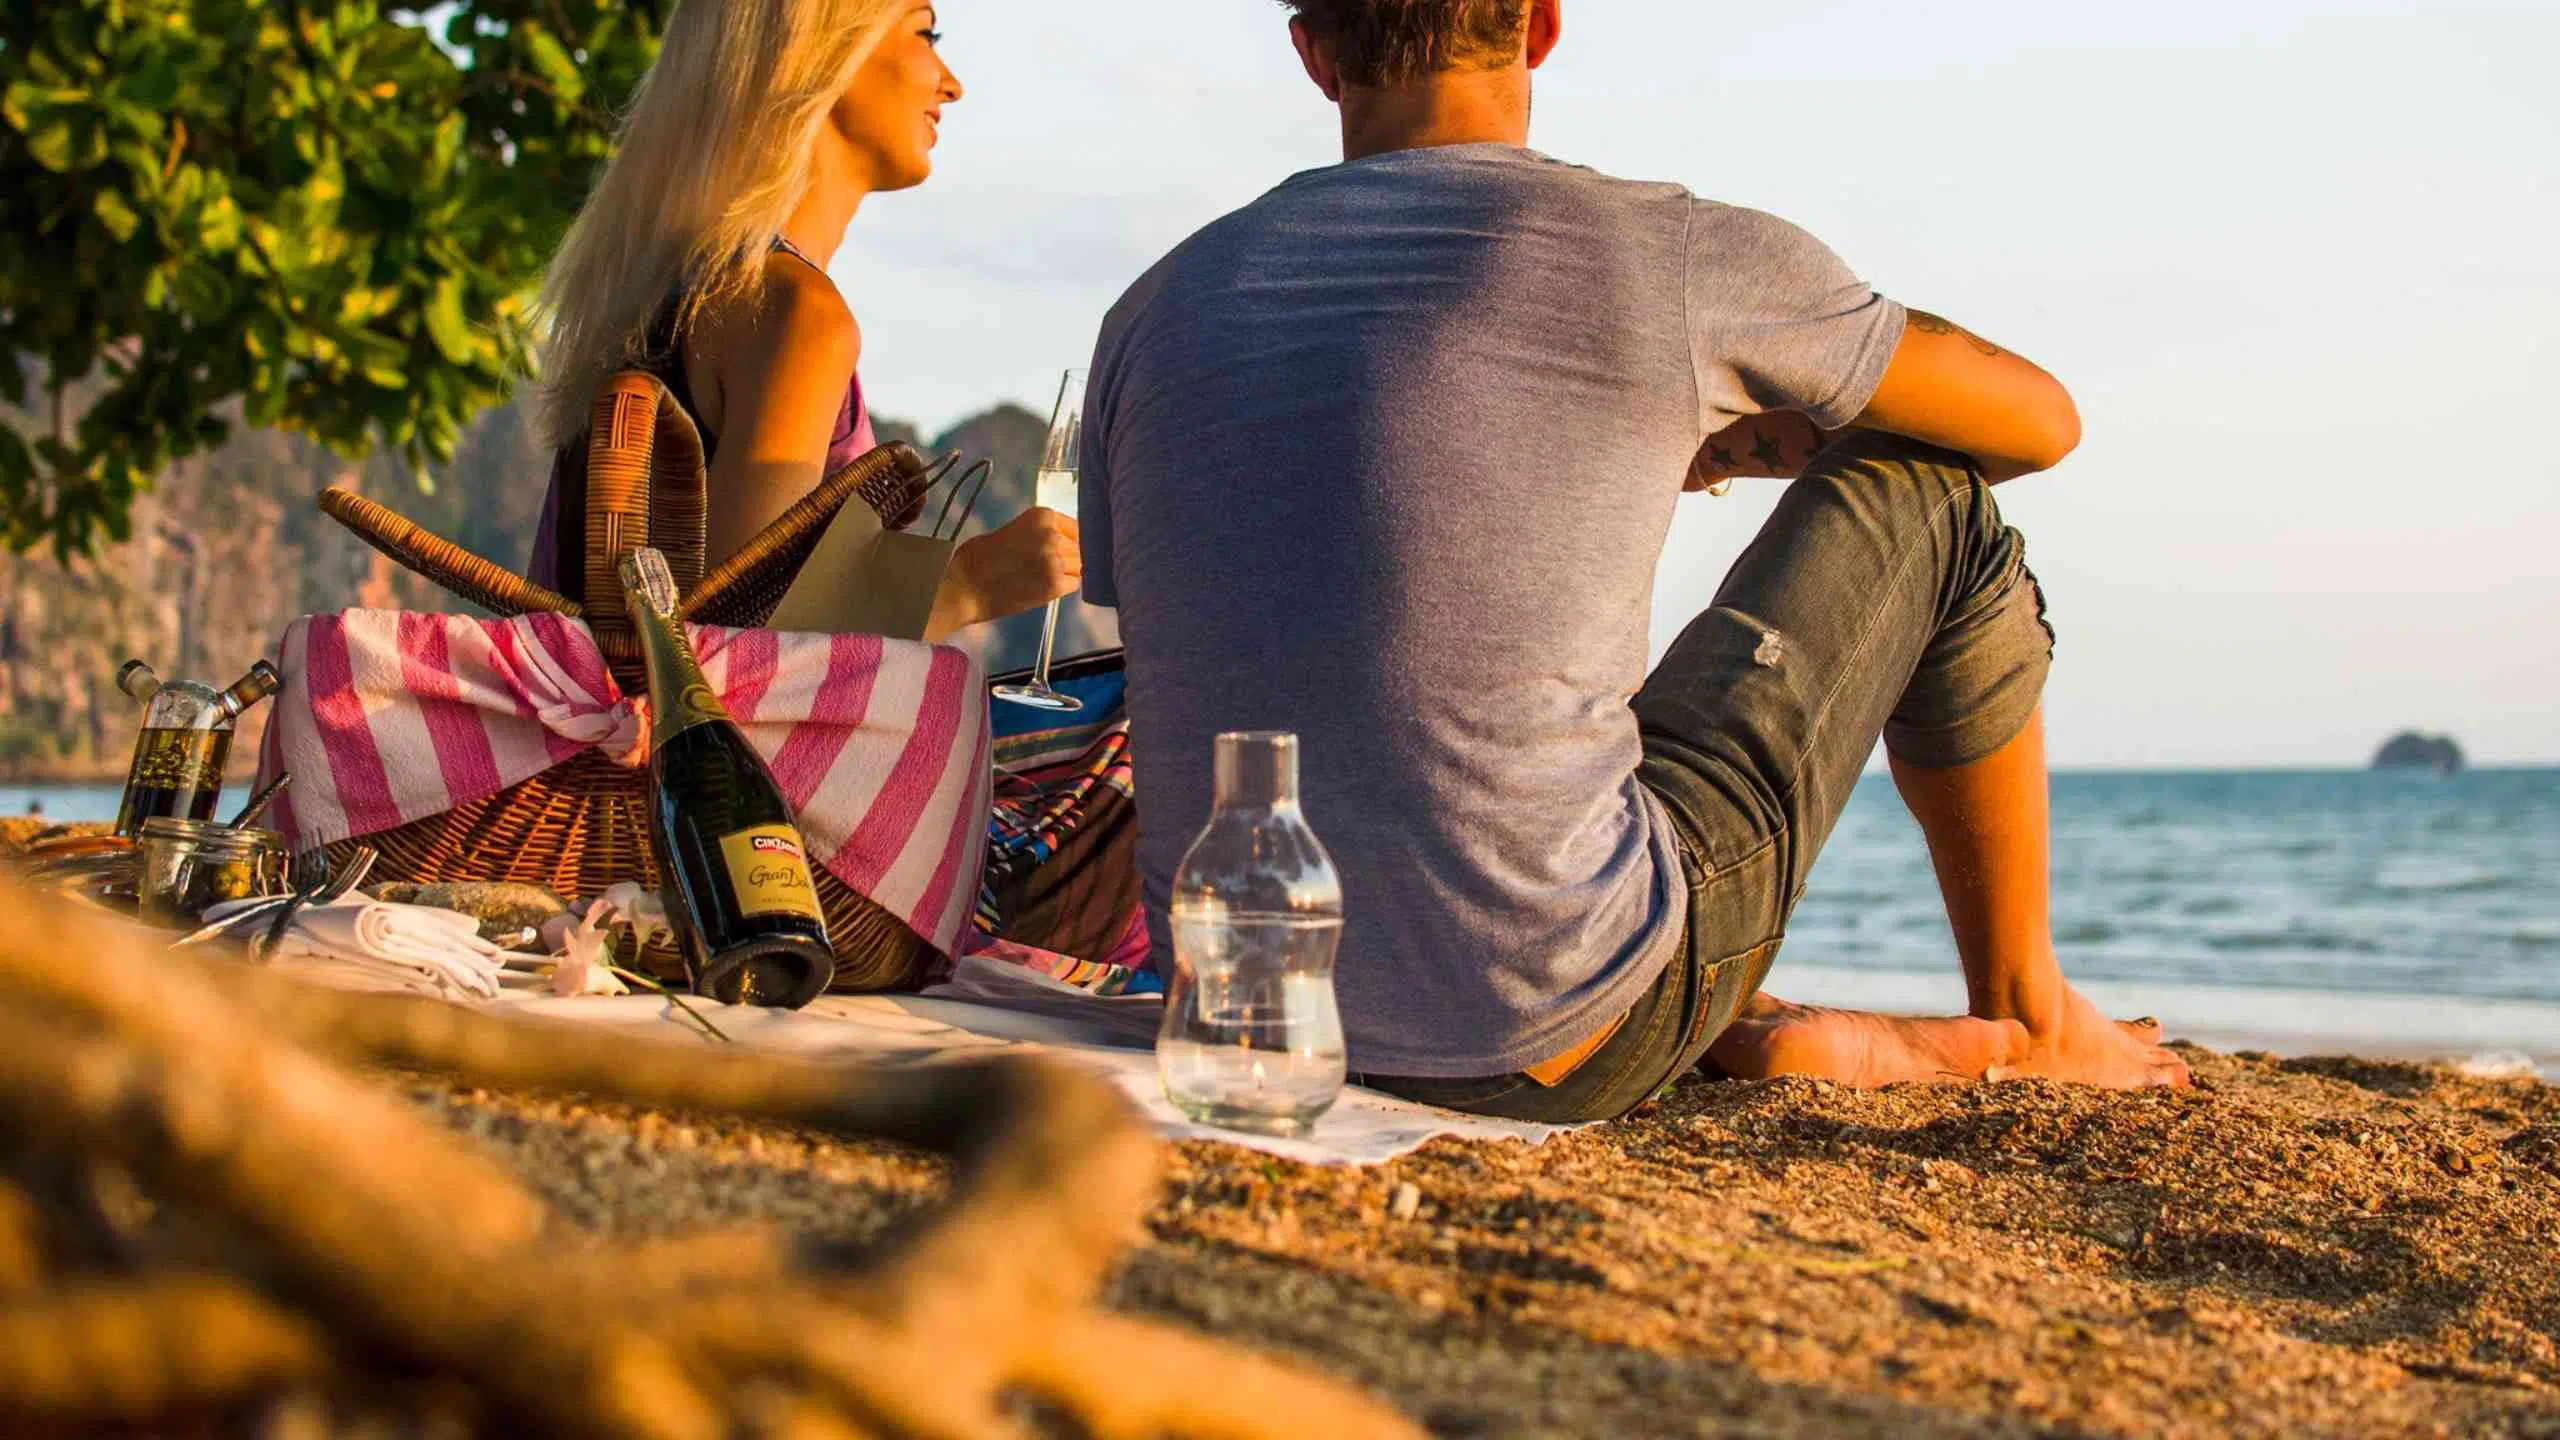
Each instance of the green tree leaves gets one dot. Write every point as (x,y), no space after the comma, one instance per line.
(326,211)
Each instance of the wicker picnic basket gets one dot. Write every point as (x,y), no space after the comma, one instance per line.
(583,826)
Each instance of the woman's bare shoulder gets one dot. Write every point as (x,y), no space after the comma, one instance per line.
(793,327)
(805,314)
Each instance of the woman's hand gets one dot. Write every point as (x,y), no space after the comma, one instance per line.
(1033,560)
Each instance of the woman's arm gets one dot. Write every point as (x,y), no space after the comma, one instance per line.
(770,377)
(770,380)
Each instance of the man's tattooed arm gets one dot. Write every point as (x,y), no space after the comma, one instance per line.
(1775,444)
(1950,387)
(1780,443)
(1928,324)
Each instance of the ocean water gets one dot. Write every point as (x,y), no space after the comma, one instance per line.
(2380,913)
(2347,882)
(81,802)
(2304,910)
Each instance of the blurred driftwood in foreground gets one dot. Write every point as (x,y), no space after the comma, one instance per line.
(199,1206)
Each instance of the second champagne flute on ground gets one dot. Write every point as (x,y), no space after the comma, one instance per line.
(1056,490)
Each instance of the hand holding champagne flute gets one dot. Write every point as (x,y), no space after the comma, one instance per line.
(1055,490)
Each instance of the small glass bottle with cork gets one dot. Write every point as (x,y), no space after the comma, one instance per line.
(178,758)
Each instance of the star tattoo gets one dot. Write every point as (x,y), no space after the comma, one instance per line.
(1720,458)
(1769,452)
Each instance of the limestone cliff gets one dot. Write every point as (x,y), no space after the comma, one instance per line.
(223,554)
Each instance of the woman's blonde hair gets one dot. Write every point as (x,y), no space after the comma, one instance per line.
(712,159)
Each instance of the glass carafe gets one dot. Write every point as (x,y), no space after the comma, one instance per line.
(185,742)
(1252,1039)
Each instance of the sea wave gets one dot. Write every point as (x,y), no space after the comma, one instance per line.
(2475,883)
(2317,941)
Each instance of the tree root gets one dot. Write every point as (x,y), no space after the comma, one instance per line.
(370,1241)
(22,1239)
(130,1351)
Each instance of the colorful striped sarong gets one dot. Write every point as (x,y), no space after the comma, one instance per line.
(1060,890)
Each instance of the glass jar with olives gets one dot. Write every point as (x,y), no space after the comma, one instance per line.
(190,866)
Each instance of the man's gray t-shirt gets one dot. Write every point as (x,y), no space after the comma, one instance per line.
(1387,458)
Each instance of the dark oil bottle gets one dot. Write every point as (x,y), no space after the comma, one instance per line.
(179,757)
(740,891)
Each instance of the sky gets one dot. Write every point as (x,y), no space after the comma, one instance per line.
(2298,260)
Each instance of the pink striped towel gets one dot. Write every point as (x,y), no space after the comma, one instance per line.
(391,716)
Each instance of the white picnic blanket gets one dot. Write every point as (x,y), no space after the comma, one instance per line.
(990,1008)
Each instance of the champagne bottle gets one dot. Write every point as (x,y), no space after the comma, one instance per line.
(739,890)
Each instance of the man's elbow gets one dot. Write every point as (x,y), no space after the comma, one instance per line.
(2056,432)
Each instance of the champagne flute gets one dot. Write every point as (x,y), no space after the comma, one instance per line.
(1056,490)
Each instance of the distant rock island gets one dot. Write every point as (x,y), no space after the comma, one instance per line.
(2410,750)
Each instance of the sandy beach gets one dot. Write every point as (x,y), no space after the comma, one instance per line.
(2352,1247)
(527,524)
(2330,1247)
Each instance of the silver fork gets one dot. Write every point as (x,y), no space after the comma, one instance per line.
(359,864)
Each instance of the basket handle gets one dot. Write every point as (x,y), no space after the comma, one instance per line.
(480,581)
(797,525)
(644,487)
(800,524)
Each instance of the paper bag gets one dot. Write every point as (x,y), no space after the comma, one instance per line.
(865,580)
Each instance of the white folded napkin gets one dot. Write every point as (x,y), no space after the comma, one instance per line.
(413,947)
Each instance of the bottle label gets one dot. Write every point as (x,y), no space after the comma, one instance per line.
(769,870)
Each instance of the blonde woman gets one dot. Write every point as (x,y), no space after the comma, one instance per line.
(702,257)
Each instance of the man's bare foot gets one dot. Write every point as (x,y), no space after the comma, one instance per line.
(1855,1047)
(2080,1044)
(1858,1048)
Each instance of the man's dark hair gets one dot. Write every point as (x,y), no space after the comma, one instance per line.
(1380,43)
